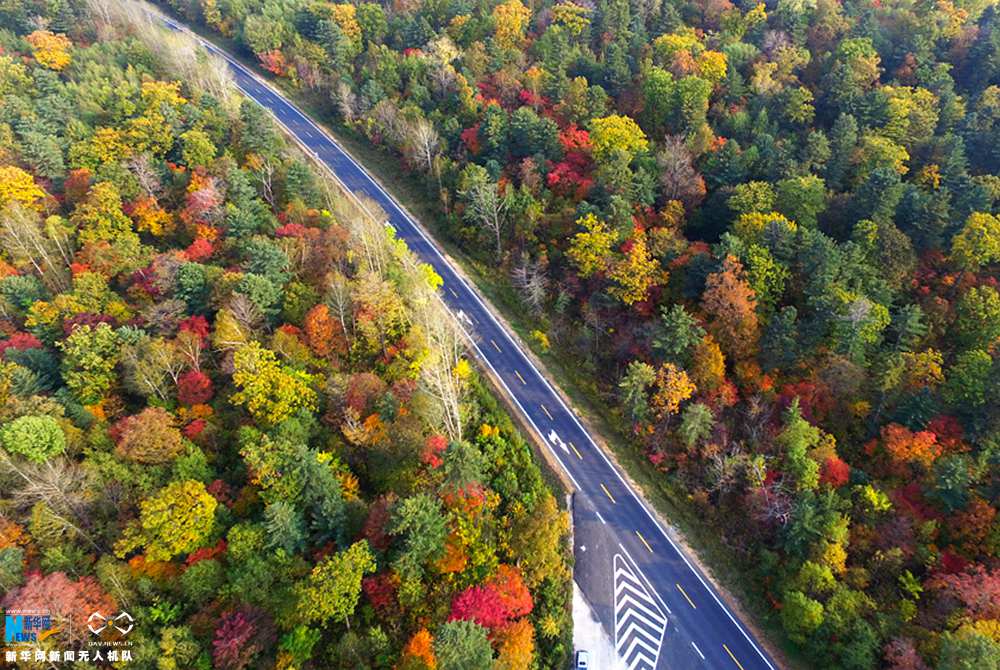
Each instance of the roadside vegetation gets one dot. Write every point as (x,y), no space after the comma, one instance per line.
(231,403)
(761,238)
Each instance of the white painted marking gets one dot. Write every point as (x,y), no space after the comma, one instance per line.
(697,650)
(419,230)
(640,624)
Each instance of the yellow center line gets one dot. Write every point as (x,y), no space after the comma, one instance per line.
(520,377)
(546,412)
(738,664)
(648,548)
(495,345)
(575,451)
(608,493)
(690,602)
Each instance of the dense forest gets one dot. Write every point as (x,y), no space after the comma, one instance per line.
(767,232)
(230,404)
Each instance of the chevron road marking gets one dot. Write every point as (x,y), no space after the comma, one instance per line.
(639,622)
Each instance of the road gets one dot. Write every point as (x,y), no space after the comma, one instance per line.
(661,611)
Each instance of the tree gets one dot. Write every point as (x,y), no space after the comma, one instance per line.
(611,134)
(100,218)
(800,616)
(194,388)
(242,635)
(68,601)
(634,386)
(271,392)
(678,177)
(420,521)
(797,437)
(463,645)
(635,274)
(511,19)
(480,604)
(677,332)
(696,424)
(969,651)
(672,388)
(978,243)
(176,520)
(37,438)
(197,148)
(486,207)
(977,317)
(89,359)
(333,587)
(418,654)
(537,539)
(730,305)
(16,185)
(149,437)
(516,645)
(708,365)
(967,380)
(49,49)
(590,249)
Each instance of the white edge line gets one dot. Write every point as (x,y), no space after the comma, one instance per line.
(413,222)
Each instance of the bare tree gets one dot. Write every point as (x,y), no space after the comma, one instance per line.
(346,100)
(142,169)
(265,174)
(423,145)
(45,247)
(439,376)
(486,207)
(532,283)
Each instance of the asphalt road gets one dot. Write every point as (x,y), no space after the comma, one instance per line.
(634,566)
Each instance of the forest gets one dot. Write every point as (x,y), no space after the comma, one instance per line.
(232,406)
(767,235)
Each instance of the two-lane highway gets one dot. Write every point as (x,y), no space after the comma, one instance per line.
(651,581)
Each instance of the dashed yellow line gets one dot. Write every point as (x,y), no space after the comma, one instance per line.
(495,345)
(648,548)
(691,603)
(544,409)
(576,451)
(520,377)
(608,493)
(738,664)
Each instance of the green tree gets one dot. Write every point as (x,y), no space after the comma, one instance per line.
(678,331)
(422,524)
(977,317)
(800,616)
(89,359)
(968,651)
(967,381)
(634,387)
(978,243)
(37,438)
(197,148)
(696,424)
(463,645)
(177,519)
(333,587)
(797,437)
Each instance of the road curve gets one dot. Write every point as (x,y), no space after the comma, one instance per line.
(718,639)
